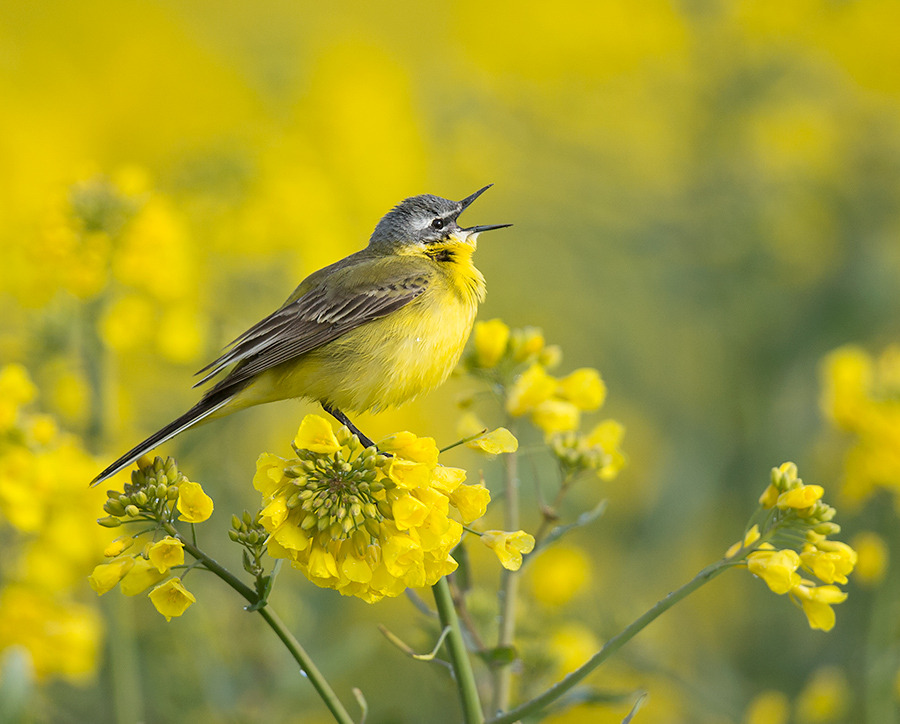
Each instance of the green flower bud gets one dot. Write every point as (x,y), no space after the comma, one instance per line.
(109,522)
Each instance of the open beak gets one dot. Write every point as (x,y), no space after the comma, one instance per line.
(466,202)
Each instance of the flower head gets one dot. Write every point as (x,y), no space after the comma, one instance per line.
(509,547)
(172,598)
(361,522)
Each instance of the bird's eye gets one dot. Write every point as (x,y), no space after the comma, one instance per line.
(437,224)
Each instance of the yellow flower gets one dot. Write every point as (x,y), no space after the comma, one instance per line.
(315,434)
(142,575)
(409,447)
(495,442)
(776,568)
(769,707)
(194,505)
(107,575)
(530,389)
(572,644)
(769,497)
(607,435)
(269,474)
(118,546)
(363,523)
(801,497)
(526,344)
(816,602)
(554,416)
(584,388)
(471,501)
(749,539)
(509,547)
(872,557)
(830,561)
(166,553)
(62,637)
(172,598)
(559,574)
(490,340)
(825,698)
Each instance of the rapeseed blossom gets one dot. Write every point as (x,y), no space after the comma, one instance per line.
(158,493)
(793,511)
(365,523)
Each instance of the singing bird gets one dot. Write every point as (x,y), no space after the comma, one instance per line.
(371,331)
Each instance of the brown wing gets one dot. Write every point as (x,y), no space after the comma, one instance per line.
(315,318)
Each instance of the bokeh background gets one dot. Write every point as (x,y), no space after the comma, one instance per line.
(706,199)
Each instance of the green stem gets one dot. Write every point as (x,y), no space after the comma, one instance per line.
(509,588)
(320,684)
(614,644)
(459,657)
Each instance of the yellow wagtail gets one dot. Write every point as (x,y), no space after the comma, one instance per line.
(370,331)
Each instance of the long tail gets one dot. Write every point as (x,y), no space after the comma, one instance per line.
(203,409)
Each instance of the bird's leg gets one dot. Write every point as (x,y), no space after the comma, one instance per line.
(344,420)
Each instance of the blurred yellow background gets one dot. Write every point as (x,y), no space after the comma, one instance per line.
(706,199)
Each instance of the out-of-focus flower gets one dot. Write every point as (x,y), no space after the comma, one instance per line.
(530,389)
(490,340)
(825,698)
(872,557)
(356,520)
(554,416)
(509,546)
(62,637)
(45,509)
(171,598)
(572,644)
(860,396)
(768,707)
(558,574)
(583,388)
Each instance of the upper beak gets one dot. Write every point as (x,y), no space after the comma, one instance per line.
(466,202)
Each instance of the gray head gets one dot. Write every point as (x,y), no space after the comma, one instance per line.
(425,219)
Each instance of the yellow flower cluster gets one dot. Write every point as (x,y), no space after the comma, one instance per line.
(793,509)
(861,395)
(45,507)
(366,523)
(158,493)
(519,360)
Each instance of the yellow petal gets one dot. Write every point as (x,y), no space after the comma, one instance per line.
(315,434)
(490,340)
(172,598)
(495,442)
(194,505)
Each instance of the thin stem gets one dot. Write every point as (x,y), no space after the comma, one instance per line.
(509,587)
(320,684)
(459,657)
(556,691)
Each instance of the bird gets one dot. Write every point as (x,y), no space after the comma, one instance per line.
(371,331)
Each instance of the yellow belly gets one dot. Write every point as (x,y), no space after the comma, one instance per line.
(380,364)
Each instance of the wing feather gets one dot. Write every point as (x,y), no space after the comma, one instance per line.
(306,323)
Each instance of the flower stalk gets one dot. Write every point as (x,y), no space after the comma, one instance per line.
(555,692)
(459,657)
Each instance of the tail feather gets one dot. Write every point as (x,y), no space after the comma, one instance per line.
(198,412)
